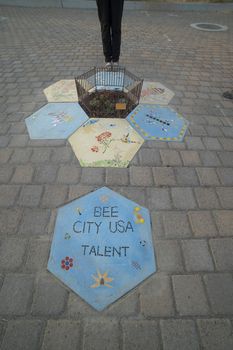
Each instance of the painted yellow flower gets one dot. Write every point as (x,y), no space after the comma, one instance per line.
(102,280)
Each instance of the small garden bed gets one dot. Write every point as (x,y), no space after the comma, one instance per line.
(107,104)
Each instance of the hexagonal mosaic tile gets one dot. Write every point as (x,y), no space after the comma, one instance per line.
(158,123)
(62,91)
(102,246)
(155,93)
(55,121)
(105,143)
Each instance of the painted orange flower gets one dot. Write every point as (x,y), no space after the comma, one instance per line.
(95,149)
(103,136)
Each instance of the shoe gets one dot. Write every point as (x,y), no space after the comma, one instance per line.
(228,95)
(108,65)
(115,64)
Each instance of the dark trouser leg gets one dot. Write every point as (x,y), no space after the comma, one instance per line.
(105,22)
(116,16)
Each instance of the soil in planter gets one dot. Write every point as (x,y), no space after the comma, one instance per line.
(103,104)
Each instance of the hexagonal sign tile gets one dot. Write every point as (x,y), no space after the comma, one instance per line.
(102,246)
(62,91)
(105,142)
(158,123)
(55,121)
(155,93)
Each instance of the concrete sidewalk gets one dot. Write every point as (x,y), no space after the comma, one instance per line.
(188,187)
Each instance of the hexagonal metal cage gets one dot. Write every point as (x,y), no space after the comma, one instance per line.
(118,87)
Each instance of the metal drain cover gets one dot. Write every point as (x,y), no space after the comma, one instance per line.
(209,27)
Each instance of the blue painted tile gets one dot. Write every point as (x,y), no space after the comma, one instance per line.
(102,246)
(56,121)
(155,122)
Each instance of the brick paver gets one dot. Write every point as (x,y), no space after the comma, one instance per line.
(187,186)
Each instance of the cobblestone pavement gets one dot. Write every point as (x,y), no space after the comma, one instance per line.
(188,187)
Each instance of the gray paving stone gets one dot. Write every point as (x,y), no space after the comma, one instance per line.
(5,174)
(213,131)
(219,289)
(50,297)
(157,224)
(34,222)
(117,176)
(206,198)
(197,130)
(156,297)
(101,334)
(12,252)
(21,156)
(155,144)
(225,195)
(227,143)
(176,224)
(168,256)
(68,174)
(176,145)
(40,155)
(158,198)
(179,334)
(149,157)
(194,143)
(54,196)
(76,191)
(208,176)
(17,128)
(190,158)
(190,295)
(226,176)
(183,198)
(92,176)
(140,335)
(62,334)
(226,158)
(9,220)
(216,334)
(46,174)
(212,143)
(5,155)
(18,141)
(197,256)
(38,254)
(224,221)
(164,176)
(170,157)
(209,158)
(128,305)
(30,195)
(4,140)
(222,250)
(22,335)
(141,176)
(61,155)
(136,194)
(186,176)
(77,308)
(227,131)
(16,294)
(23,174)
(9,194)
(202,224)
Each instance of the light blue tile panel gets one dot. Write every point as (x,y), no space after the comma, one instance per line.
(56,121)
(102,246)
(155,122)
